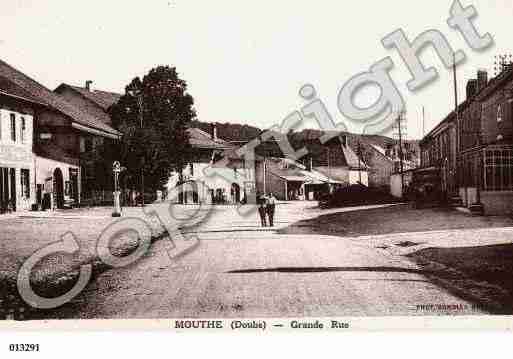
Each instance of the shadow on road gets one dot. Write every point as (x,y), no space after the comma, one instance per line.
(481,275)
(328,269)
(389,220)
(486,271)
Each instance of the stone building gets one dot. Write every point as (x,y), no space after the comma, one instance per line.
(472,150)
(96,104)
(40,143)
(217,174)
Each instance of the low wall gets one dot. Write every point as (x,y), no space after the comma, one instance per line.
(468,195)
(494,202)
(497,202)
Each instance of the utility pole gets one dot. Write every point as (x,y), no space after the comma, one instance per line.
(141,119)
(399,125)
(423,122)
(329,169)
(359,150)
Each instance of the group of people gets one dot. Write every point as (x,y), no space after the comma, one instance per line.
(266,209)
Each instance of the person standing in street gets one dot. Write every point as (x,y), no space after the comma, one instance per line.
(261,203)
(271,208)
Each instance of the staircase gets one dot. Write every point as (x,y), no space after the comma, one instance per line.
(455,201)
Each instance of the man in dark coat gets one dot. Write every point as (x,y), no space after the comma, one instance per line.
(271,208)
(261,203)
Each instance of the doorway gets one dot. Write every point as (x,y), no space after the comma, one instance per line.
(235,193)
(58,189)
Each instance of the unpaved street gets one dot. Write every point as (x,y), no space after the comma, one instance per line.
(242,270)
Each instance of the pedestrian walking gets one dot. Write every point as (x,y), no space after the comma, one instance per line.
(271,208)
(261,203)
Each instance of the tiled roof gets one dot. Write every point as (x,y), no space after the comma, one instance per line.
(104,99)
(293,171)
(352,159)
(296,172)
(494,83)
(201,139)
(11,89)
(21,82)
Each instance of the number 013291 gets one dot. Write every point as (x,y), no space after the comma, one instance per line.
(23,347)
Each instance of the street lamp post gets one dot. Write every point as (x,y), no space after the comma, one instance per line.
(116,169)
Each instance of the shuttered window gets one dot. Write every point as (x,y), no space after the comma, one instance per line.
(13,127)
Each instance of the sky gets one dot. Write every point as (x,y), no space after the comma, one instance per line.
(245,61)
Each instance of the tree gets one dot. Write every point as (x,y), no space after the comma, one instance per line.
(153,117)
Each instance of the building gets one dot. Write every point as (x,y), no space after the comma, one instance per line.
(96,104)
(217,174)
(17,176)
(381,167)
(336,160)
(40,143)
(291,181)
(472,148)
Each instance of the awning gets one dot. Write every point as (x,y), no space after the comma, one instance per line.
(318,178)
(295,178)
(94,131)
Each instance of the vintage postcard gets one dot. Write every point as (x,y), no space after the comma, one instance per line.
(249,166)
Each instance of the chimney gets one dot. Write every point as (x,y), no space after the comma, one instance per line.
(214,132)
(471,88)
(482,79)
(88,85)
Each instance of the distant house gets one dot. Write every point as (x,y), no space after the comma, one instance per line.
(325,167)
(217,174)
(290,180)
(381,167)
(40,143)
(97,104)
(385,162)
(335,159)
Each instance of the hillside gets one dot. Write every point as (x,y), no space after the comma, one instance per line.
(237,133)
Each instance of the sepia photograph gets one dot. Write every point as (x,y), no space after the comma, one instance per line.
(256,166)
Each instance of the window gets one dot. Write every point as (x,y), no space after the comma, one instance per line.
(510,103)
(88,144)
(82,144)
(13,127)
(499,113)
(23,130)
(499,169)
(25,183)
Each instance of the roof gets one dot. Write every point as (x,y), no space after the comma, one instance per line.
(491,86)
(447,120)
(296,172)
(201,139)
(317,177)
(10,89)
(352,159)
(494,83)
(16,83)
(238,153)
(103,99)
(381,151)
